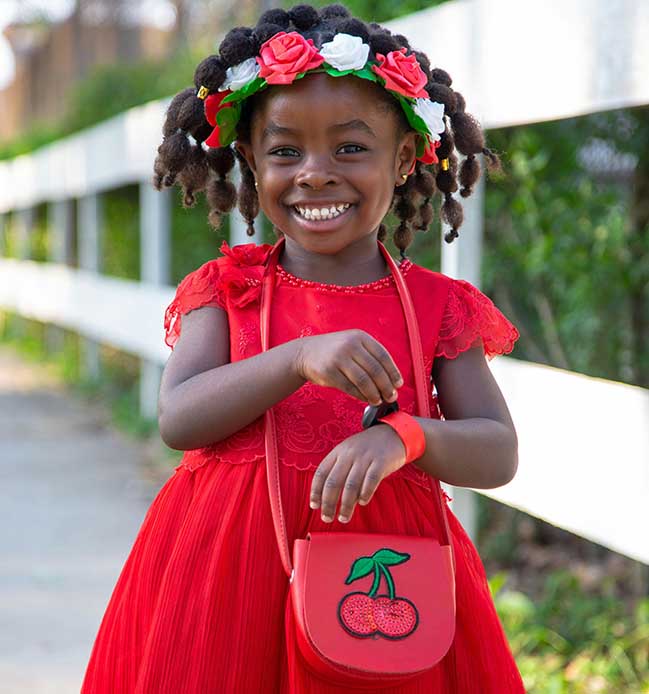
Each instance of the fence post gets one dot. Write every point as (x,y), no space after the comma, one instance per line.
(24,220)
(155,239)
(90,214)
(3,230)
(461,260)
(60,214)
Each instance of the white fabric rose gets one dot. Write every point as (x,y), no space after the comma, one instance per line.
(345,52)
(240,75)
(432,113)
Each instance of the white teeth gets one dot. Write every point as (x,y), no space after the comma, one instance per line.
(322,212)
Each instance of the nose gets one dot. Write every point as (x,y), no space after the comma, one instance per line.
(316,173)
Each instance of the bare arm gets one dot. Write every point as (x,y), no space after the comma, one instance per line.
(203,397)
(476,445)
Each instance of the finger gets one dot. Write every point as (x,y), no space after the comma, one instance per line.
(332,487)
(380,377)
(319,477)
(363,381)
(340,381)
(352,490)
(371,481)
(379,352)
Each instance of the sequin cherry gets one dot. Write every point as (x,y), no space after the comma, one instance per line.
(370,615)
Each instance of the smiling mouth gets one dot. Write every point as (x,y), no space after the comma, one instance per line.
(318,214)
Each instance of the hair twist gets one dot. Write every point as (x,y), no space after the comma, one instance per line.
(248,198)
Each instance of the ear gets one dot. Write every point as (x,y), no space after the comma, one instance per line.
(406,156)
(245,150)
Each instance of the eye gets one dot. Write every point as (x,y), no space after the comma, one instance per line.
(358,149)
(280,151)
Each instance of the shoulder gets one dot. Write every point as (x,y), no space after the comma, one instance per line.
(233,280)
(420,278)
(467,317)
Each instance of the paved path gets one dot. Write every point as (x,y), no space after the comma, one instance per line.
(73,493)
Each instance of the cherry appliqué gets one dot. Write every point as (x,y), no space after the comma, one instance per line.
(370,615)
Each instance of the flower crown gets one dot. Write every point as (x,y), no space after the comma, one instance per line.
(287,57)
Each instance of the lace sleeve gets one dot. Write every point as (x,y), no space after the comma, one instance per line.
(470,317)
(198,288)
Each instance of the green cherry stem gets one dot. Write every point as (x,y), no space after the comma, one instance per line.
(388,579)
(377,580)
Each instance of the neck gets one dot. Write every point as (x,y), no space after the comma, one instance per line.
(359,262)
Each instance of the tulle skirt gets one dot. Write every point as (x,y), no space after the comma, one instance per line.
(200,604)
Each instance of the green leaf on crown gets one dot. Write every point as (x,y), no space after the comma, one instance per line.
(245,91)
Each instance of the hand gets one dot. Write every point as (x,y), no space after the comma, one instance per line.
(352,361)
(356,466)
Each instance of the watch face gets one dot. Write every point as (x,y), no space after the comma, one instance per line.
(372,413)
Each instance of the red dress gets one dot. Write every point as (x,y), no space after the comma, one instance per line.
(199,604)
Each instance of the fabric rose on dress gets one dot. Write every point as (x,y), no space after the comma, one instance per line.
(345,52)
(240,75)
(242,270)
(402,74)
(284,56)
(246,253)
(432,113)
(241,288)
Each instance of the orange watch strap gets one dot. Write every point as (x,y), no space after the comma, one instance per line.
(409,431)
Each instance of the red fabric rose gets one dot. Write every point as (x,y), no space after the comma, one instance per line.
(284,55)
(213,104)
(242,271)
(246,253)
(239,287)
(402,74)
(430,155)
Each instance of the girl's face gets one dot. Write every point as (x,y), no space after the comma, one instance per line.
(327,142)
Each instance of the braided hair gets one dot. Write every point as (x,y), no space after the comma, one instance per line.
(184,161)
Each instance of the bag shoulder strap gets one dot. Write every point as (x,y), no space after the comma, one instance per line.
(423,407)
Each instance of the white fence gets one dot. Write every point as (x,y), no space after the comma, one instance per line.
(583,442)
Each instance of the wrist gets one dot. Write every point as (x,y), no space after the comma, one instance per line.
(409,431)
(297,359)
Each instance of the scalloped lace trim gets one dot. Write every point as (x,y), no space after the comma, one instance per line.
(470,317)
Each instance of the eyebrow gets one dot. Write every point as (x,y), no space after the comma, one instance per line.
(355,124)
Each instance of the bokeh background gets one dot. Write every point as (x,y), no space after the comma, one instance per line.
(565,255)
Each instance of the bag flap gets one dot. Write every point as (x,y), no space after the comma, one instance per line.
(377,603)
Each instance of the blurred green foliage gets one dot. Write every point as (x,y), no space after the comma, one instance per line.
(571,642)
(567,247)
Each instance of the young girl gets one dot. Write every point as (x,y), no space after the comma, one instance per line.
(334,122)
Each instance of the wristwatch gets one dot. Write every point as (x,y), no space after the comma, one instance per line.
(372,413)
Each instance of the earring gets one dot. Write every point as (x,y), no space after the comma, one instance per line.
(404,176)
(256,184)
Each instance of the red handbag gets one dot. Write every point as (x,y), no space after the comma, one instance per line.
(371,610)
